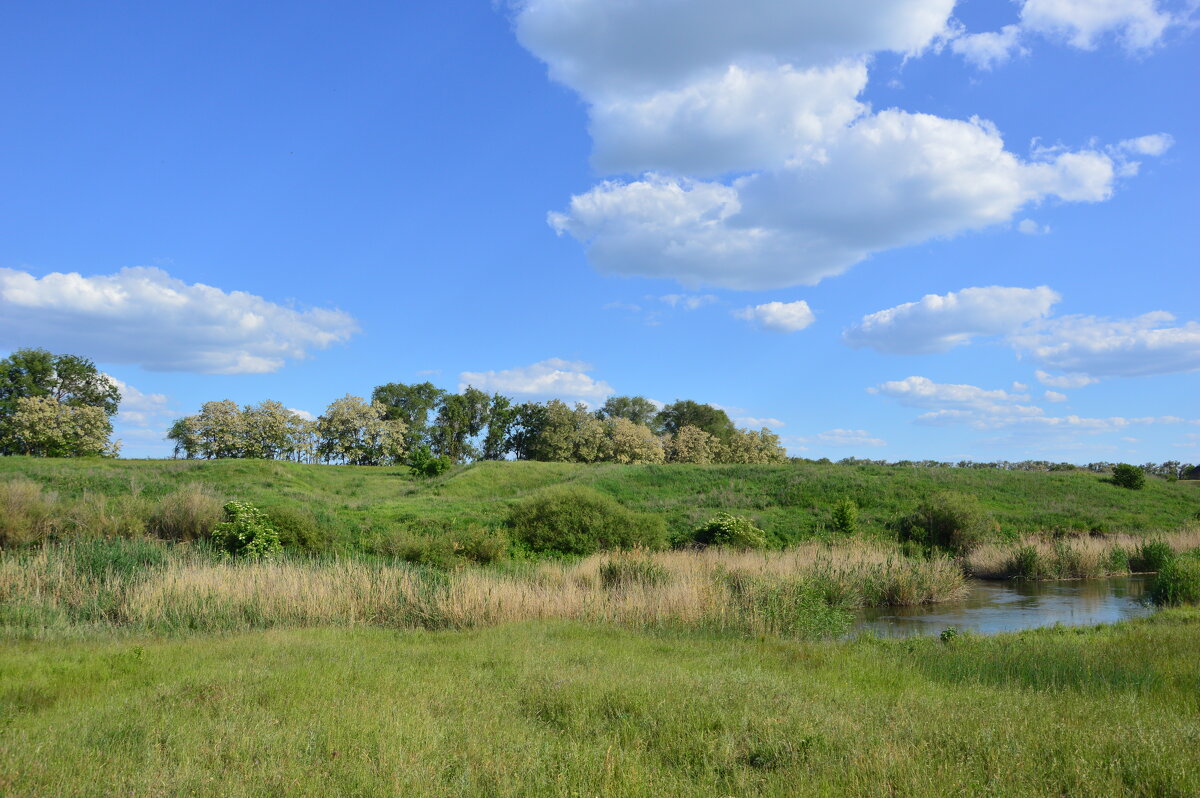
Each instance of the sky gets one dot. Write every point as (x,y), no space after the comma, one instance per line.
(935,230)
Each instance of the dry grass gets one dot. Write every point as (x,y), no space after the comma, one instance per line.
(1078,557)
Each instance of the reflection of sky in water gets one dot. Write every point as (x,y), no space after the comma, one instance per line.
(1009,606)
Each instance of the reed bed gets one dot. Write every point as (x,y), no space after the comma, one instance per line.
(1036,557)
(801,592)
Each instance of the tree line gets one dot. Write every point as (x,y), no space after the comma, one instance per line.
(421,424)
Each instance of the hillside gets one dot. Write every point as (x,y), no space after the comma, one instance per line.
(356,506)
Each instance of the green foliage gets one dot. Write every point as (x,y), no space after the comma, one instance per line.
(246,532)
(637,409)
(1177,582)
(1028,564)
(631,571)
(686,413)
(297,527)
(422,462)
(1153,555)
(189,512)
(411,405)
(64,397)
(953,521)
(845,516)
(571,519)
(1129,476)
(117,558)
(735,531)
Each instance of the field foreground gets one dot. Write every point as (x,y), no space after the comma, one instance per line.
(557,709)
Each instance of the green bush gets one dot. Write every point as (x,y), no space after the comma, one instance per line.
(297,528)
(1128,476)
(423,463)
(1153,556)
(952,521)
(571,519)
(623,572)
(190,512)
(1178,582)
(480,544)
(1027,563)
(735,531)
(27,513)
(845,517)
(246,532)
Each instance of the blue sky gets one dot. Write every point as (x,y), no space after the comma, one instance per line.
(987,209)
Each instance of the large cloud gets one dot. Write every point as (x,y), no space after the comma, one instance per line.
(1099,347)
(891,180)
(553,378)
(145,316)
(761,167)
(938,323)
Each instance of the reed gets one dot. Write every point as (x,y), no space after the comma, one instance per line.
(1037,557)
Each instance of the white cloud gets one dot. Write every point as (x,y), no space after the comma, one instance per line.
(145,316)
(779,316)
(1064,380)
(138,409)
(1138,24)
(991,49)
(752,422)
(688,301)
(1054,396)
(938,323)
(550,378)
(1100,347)
(1031,228)
(304,414)
(1154,145)
(848,437)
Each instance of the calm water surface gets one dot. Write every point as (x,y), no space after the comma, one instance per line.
(1009,606)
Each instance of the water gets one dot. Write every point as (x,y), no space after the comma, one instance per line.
(1010,606)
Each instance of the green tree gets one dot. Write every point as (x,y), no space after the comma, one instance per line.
(637,409)
(691,445)
(502,415)
(686,413)
(70,380)
(461,418)
(747,446)
(629,442)
(356,433)
(412,405)
(42,426)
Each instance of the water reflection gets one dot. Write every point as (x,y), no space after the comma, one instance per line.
(992,607)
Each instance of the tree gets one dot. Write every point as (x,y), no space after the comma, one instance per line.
(525,431)
(71,381)
(637,409)
(1128,476)
(356,433)
(267,430)
(221,430)
(410,404)
(629,442)
(42,426)
(691,445)
(686,413)
(502,415)
(461,417)
(748,446)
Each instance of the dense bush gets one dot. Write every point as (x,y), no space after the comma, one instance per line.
(1128,476)
(27,513)
(1178,582)
(297,528)
(571,519)
(952,521)
(190,512)
(1152,556)
(423,463)
(246,532)
(845,516)
(735,531)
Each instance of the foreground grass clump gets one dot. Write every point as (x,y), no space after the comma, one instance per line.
(802,592)
(1035,557)
(1178,581)
(567,709)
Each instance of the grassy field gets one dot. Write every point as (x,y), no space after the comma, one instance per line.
(565,709)
(360,507)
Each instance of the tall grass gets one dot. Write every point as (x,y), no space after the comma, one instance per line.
(1036,557)
(147,585)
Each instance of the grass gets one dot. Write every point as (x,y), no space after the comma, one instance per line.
(1035,557)
(560,709)
(141,585)
(372,508)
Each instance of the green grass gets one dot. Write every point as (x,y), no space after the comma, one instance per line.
(563,709)
(362,507)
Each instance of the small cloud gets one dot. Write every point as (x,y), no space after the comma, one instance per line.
(1054,396)
(1153,145)
(1064,380)
(688,301)
(550,378)
(1019,387)
(1031,228)
(848,437)
(752,422)
(779,316)
(429,372)
(304,414)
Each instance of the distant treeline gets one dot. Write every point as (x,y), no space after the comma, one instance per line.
(422,424)
(1171,469)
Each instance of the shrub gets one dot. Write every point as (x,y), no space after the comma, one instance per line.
(190,512)
(1153,556)
(571,519)
(423,463)
(246,532)
(1128,476)
(845,516)
(1118,560)
(297,528)
(1027,563)
(951,521)
(735,531)
(623,572)
(26,513)
(1178,582)
(480,544)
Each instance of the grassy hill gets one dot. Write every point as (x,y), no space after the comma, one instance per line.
(361,506)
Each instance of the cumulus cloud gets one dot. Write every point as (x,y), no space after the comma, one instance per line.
(1153,145)
(1031,228)
(145,316)
(139,409)
(848,437)
(1054,396)
(779,316)
(990,49)
(1064,380)
(555,378)
(753,422)
(1100,347)
(938,323)
(1137,24)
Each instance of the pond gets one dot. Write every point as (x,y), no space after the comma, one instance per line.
(1009,606)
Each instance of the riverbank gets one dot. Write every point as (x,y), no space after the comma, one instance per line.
(551,709)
